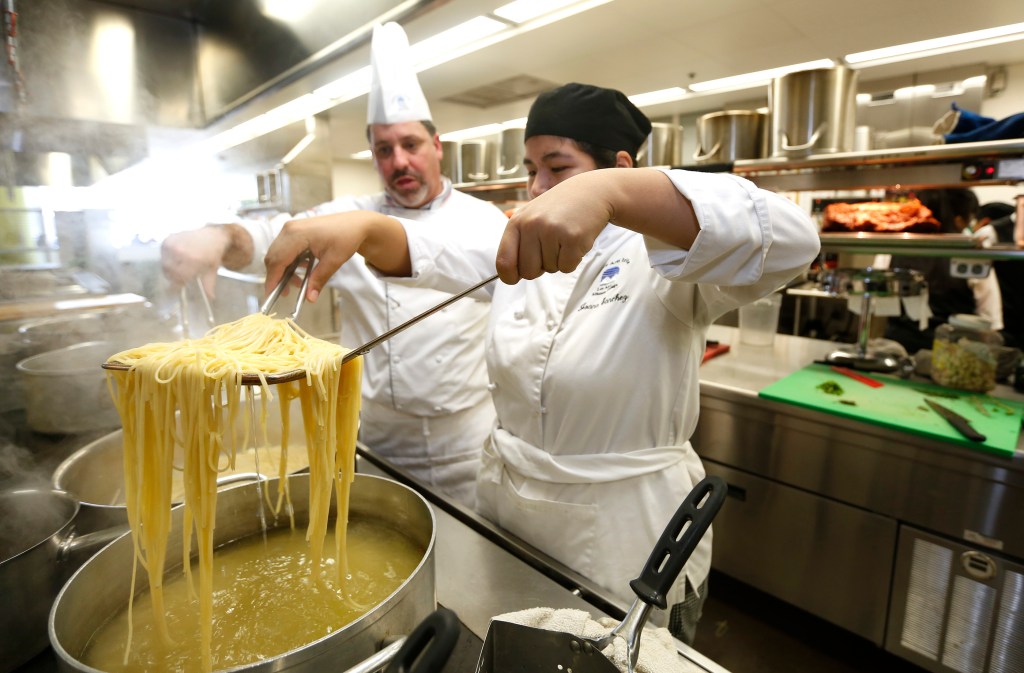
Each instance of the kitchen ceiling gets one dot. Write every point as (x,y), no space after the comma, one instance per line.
(646,45)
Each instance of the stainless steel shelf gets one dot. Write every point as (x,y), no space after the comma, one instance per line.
(958,165)
(1002,252)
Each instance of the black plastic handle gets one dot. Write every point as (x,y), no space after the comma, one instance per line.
(428,647)
(678,541)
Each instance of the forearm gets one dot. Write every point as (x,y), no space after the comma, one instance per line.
(333,239)
(645,201)
(239,249)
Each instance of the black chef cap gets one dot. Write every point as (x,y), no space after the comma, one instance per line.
(592,114)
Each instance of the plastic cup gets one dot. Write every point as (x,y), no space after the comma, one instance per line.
(759,321)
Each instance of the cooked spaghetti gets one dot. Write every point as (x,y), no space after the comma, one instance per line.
(189,394)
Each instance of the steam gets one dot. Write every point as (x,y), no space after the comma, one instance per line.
(19,470)
(26,517)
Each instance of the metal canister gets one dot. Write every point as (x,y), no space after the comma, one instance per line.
(813,112)
(450,164)
(510,162)
(663,147)
(730,135)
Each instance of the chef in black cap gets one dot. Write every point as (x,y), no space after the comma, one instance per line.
(593,363)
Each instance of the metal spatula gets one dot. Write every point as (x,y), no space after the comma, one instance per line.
(511,648)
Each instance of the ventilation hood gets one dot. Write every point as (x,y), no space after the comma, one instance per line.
(94,79)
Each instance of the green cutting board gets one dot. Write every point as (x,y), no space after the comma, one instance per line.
(900,404)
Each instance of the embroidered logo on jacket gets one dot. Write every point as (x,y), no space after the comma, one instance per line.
(605,292)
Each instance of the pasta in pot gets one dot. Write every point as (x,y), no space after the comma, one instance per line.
(189,393)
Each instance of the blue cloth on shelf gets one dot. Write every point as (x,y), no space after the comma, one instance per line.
(972,127)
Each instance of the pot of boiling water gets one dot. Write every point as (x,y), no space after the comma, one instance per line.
(98,592)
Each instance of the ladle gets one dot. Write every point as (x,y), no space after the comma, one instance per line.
(294,375)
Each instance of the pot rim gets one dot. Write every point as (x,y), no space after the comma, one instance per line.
(26,366)
(60,530)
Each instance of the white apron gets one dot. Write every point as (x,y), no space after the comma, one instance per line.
(599,514)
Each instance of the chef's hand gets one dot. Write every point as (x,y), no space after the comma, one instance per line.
(552,232)
(188,254)
(334,239)
(556,229)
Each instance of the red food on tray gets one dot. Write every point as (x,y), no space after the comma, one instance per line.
(880,216)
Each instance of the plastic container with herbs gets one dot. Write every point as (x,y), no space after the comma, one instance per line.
(965,353)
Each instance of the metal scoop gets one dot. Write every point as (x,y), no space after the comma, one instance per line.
(268,304)
(510,647)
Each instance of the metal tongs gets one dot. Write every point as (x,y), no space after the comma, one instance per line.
(268,304)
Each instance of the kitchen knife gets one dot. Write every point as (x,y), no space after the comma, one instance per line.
(962,425)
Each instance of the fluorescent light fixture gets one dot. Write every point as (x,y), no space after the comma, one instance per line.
(287,11)
(522,11)
(474,132)
(455,38)
(346,88)
(661,96)
(514,123)
(365,155)
(938,45)
(752,79)
(978,80)
(912,91)
(302,144)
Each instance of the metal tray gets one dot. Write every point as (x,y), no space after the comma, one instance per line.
(899,240)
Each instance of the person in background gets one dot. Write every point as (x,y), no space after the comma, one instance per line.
(1009,273)
(426,407)
(956,210)
(610,280)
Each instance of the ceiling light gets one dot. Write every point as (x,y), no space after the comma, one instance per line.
(288,11)
(454,38)
(522,11)
(661,96)
(938,45)
(365,155)
(474,132)
(760,77)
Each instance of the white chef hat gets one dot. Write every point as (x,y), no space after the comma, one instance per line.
(395,93)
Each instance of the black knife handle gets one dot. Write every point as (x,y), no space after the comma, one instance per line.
(961,424)
(678,541)
(965,429)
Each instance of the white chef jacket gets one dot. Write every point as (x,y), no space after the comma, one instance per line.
(425,401)
(594,375)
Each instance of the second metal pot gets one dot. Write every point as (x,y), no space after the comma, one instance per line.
(729,135)
(813,112)
(39,549)
(94,474)
(66,390)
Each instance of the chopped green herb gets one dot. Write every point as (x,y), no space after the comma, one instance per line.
(830,388)
(848,402)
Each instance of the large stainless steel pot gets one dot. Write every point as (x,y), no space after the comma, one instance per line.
(513,151)
(66,390)
(730,135)
(474,160)
(99,589)
(663,147)
(94,474)
(813,112)
(38,551)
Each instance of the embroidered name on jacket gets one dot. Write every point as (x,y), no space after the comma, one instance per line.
(606,291)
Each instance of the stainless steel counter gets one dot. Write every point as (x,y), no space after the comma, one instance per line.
(826,509)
